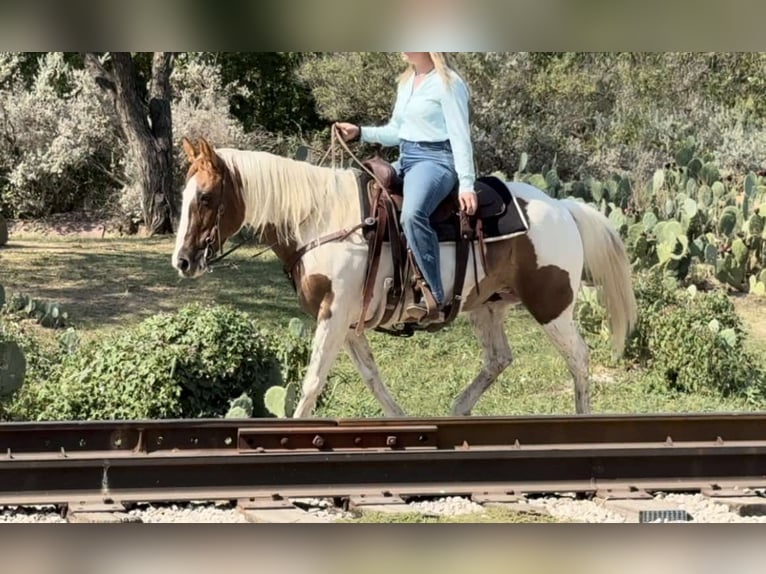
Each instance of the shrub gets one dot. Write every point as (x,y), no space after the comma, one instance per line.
(57,144)
(39,362)
(694,340)
(13,364)
(188,364)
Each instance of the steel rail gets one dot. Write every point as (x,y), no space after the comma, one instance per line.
(136,461)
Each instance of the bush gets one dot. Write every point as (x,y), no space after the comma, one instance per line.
(694,340)
(188,364)
(57,144)
(39,359)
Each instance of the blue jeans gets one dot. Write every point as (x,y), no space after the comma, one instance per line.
(428,171)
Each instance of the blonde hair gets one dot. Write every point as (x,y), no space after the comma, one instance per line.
(442,63)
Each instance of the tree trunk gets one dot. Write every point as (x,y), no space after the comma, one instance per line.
(148,130)
(3,233)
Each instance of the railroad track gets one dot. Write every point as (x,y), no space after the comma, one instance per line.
(92,467)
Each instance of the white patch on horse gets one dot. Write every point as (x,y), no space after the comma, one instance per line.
(183,225)
(563,333)
(552,230)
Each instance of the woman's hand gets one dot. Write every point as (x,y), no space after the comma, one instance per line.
(349,132)
(468,201)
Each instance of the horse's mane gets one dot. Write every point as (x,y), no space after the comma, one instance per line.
(297,198)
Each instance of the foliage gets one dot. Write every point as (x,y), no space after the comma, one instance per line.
(191,363)
(688,219)
(293,349)
(282,400)
(13,366)
(57,144)
(47,313)
(24,358)
(270,97)
(187,364)
(582,113)
(694,340)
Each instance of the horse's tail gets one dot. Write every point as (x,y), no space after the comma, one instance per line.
(607,262)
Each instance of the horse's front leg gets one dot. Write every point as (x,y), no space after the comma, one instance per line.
(328,341)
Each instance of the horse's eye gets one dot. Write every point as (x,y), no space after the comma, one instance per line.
(204,199)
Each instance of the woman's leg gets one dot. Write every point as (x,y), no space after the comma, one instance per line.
(426,184)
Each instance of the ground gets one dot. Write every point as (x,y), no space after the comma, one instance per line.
(108,282)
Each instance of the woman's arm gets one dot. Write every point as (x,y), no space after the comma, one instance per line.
(456,116)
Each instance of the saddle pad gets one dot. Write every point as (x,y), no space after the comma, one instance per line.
(510,224)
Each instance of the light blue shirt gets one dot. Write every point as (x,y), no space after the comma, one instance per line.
(433,112)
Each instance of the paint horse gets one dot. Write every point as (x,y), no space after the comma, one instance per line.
(293,204)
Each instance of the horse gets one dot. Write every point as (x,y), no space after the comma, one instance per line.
(292,204)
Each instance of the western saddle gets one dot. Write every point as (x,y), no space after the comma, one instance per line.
(382,197)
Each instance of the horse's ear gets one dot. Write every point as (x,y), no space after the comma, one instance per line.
(205,149)
(189,149)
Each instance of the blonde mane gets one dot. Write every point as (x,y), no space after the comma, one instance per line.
(299,199)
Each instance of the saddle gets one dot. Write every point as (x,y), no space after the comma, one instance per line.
(382,196)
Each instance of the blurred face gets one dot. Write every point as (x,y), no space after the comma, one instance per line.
(417,59)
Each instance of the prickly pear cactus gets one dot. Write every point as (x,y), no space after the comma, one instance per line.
(13,367)
(728,221)
(240,408)
(672,243)
(732,267)
(281,401)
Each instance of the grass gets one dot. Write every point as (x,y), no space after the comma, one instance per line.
(490,515)
(106,284)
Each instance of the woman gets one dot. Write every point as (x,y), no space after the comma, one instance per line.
(430,124)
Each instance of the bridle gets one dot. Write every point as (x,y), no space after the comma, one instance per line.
(211,257)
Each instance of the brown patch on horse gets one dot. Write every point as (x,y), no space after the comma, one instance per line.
(513,272)
(315,294)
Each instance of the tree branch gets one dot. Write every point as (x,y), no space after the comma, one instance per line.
(103,79)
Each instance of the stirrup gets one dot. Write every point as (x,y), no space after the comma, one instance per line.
(426,310)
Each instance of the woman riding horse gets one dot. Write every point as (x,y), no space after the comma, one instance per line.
(430,124)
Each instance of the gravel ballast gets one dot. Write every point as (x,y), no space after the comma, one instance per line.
(563,508)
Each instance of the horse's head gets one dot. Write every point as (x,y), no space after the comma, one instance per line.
(213,209)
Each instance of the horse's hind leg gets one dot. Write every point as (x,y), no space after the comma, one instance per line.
(359,350)
(562,331)
(488,323)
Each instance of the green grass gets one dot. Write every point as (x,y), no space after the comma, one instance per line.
(490,515)
(106,284)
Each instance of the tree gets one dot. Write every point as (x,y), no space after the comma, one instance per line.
(273,97)
(146,122)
